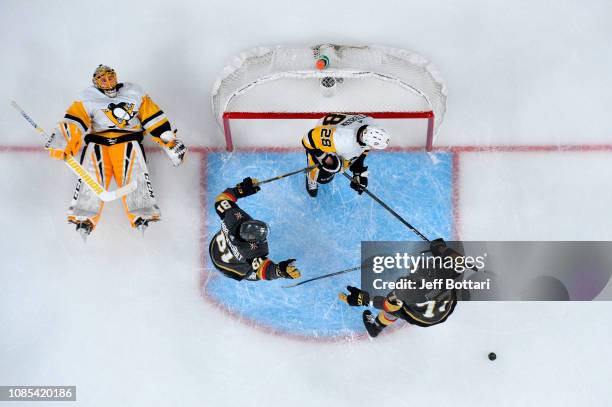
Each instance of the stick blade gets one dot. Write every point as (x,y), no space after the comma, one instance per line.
(291,285)
(108,196)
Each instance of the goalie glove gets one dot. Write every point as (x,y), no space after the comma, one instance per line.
(360,181)
(176,153)
(286,269)
(356,297)
(173,147)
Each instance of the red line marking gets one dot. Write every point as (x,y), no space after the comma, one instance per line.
(203,216)
(561,148)
(21,149)
(265,150)
(455,196)
(199,150)
(453,149)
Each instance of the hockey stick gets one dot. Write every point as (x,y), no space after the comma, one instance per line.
(323,276)
(74,165)
(384,205)
(286,175)
(391,211)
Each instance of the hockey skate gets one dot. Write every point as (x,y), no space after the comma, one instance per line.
(141,224)
(312,187)
(144,216)
(83,227)
(371,324)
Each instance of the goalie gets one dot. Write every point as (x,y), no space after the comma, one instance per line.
(240,249)
(110,119)
(338,142)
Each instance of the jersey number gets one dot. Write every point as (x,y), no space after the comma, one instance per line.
(226,255)
(333,119)
(325,137)
(256,263)
(431,305)
(223,206)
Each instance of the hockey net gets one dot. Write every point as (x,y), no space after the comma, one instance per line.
(268,97)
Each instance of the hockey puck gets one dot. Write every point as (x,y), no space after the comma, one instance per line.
(492,356)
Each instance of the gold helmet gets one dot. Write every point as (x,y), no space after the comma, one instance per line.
(105,80)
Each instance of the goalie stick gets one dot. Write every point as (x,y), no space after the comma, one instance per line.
(78,169)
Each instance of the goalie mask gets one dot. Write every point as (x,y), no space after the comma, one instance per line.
(105,80)
(375,137)
(253,231)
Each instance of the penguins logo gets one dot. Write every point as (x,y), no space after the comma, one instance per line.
(120,113)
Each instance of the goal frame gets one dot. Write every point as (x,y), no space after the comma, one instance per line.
(228,116)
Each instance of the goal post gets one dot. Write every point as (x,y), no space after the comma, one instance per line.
(229,117)
(268,97)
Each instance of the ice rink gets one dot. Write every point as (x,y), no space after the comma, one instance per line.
(524,154)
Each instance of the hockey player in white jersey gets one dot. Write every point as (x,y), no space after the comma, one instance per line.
(109,121)
(341,141)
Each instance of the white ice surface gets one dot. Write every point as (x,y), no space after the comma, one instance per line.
(123,319)
(539,196)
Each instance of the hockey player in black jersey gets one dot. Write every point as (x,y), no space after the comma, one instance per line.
(240,249)
(431,309)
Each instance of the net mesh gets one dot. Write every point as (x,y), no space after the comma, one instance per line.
(366,79)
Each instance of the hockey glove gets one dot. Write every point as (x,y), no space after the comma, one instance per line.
(174,148)
(286,269)
(176,153)
(356,298)
(437,247)
(360,181)
(247,187)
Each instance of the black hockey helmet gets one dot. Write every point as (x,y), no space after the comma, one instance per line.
(253,231)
